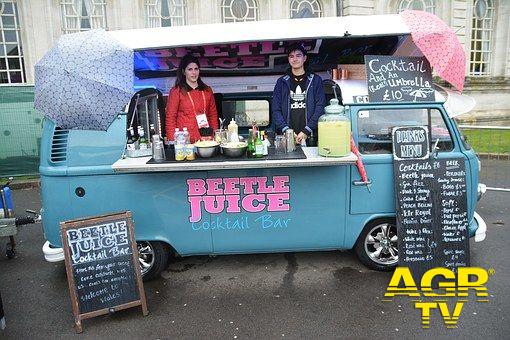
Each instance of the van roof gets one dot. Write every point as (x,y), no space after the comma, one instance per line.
(283,29)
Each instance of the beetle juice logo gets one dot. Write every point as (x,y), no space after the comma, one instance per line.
(234,195)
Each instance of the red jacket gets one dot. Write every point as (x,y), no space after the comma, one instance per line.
(180,113)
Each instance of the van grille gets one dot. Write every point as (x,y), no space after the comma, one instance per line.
(59,145)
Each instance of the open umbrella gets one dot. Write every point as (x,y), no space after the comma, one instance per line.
(84,81)
(439,45)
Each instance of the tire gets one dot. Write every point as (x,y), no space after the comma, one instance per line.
(153,258)
(377,245)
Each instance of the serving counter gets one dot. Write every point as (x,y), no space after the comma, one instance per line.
(312,159)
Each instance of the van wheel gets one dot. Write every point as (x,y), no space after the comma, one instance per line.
(377,246)
(153,258)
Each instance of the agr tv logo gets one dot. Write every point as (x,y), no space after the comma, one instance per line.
(450,285)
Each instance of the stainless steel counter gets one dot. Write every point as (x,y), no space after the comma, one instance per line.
(312,159)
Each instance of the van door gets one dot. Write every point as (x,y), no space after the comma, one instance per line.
(372,127)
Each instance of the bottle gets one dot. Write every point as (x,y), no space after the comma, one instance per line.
(189,151)
(186,135)
(259,147)
(265,143)
(131,142)
(233,131)
(250,150)
(180,145)
(158,149)
(142,140)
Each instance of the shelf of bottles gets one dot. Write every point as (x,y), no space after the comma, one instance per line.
(143,126)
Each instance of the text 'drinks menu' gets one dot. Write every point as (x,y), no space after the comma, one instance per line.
(431,205)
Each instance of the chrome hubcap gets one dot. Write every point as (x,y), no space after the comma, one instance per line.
(145,256)
(381,244)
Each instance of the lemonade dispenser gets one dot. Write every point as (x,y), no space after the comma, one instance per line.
(334,131)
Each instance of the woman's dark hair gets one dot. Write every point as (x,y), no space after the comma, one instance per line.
(180,80)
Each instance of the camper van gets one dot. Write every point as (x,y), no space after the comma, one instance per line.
(315,204)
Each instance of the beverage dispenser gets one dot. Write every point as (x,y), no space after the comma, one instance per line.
(334,131)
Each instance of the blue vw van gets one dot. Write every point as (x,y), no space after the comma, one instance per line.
(257,208)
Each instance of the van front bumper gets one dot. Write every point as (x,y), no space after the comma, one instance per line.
(481,231)
(52,254)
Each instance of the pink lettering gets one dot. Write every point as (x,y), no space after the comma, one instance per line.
(249,200)
(233,204)
(214,51)
(245,48)
(196,211)
(281,183)
(230,186)
(253,61)
(276,202)
(262,187)
(268,47)
(213,186)
(214,204)
(247,183)
(225,62)
(196,186)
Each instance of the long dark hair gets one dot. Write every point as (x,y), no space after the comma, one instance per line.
(180,80)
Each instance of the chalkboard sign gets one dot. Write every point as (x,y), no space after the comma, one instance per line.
(398,79)
(431,202)
(102,265)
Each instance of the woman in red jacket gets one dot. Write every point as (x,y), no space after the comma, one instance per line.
(190,102)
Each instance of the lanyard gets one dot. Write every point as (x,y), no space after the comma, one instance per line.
(193,103)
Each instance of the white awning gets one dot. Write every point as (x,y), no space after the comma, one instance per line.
(285,29)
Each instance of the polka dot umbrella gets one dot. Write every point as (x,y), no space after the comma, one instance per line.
(84,81)
(439,45)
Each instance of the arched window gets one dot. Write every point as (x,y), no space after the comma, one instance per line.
(305,9)
(12,68)
(164,13)
(239,10)
(481,38)
(82,15)
(420,5)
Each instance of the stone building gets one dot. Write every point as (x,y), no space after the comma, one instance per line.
(30,27)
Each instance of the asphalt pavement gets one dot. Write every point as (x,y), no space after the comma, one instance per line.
(293,295)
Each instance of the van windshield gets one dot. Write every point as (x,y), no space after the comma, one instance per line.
(374,128)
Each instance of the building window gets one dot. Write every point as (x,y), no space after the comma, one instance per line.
(12,68)
(339,7)
(481,38)
(239,10)
(305,9)
(164,13)
(419,5)
(82,15)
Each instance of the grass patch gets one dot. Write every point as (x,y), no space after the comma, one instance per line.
(488,141)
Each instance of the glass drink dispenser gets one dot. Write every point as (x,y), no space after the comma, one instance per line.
(334,131)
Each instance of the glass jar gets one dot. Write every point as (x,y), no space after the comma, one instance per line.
(334,131)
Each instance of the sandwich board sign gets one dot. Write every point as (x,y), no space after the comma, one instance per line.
(102,267)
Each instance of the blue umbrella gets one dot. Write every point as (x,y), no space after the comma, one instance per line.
(84,81)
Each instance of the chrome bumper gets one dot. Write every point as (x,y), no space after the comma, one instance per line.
(52,254)
(481,232)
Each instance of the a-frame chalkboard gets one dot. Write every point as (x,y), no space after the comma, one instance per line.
(102,265)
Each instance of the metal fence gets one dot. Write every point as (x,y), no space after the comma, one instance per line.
(20,131)
(492,145)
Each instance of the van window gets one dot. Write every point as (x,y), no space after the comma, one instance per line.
(374,128)
(246,112)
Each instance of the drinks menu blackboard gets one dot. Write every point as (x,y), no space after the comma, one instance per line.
(102,265)
(398,79)
(431,202)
